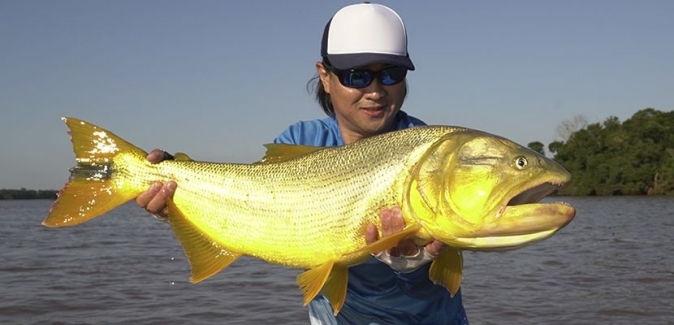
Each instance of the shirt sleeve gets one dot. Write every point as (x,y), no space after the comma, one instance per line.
(308,133)
(287,136)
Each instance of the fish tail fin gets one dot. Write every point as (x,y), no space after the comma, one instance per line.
(100,181)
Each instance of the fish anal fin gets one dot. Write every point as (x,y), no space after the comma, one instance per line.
(279,152)
(311,281)
(389,241)
(206,256)
(335,287)
(447,269)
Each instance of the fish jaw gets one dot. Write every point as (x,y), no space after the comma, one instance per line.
(518,226)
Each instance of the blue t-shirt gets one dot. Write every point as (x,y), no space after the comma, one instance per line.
(376,293)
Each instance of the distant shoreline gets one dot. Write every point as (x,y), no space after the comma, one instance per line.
(25,194)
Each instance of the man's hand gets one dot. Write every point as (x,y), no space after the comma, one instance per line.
(153,200)
(407,255)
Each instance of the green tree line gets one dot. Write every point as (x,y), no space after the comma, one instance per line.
(24,194)
(635,157)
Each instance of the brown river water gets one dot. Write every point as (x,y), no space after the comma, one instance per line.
(613,264)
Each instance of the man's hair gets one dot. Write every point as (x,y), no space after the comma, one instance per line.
(315,86)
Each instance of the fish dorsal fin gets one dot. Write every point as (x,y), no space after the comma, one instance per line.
(279,152)
(447,269)
(182,156)
(206,256)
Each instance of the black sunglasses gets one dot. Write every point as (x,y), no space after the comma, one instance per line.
(361,78)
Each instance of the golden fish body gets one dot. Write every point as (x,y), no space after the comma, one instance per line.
(308,207)
(303,212)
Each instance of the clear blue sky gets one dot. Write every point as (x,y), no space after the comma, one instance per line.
(217,79)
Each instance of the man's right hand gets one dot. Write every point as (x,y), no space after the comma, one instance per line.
(153,200)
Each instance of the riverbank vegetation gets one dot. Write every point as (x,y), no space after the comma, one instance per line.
(634,157)
(24,194)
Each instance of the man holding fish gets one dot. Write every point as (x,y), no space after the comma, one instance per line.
(366,181)
(361,86)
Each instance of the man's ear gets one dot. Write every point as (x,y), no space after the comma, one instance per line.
(324,75)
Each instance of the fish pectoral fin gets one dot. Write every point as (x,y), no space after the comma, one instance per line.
(389,241)
(311,281)
(447,269)
(279,152)
(206,256)
(335,287)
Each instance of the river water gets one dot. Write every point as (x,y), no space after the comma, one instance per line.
(613,264)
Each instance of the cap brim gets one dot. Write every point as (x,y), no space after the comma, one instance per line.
(355,60)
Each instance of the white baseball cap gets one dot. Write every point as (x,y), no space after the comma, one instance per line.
(365,33)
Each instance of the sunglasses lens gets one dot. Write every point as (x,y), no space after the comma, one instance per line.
(357,78)
(392,76)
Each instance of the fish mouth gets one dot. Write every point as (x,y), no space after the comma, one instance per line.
(536,193)
(523,219)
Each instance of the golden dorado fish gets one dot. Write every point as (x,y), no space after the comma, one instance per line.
(309,207)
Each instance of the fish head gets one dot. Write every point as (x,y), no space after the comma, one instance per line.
(477,191)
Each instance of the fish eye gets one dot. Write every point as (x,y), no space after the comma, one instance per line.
(521,162)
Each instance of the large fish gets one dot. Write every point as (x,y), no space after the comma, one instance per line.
(308,207)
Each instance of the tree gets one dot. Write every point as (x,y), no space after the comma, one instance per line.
(554,146)
(611,158)
(537,146)
(568,127)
